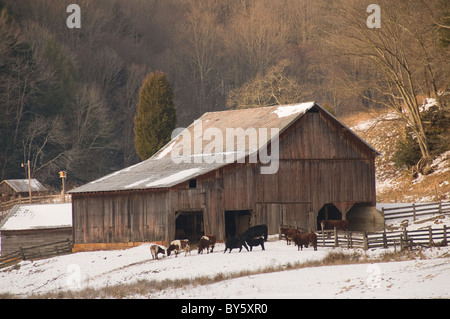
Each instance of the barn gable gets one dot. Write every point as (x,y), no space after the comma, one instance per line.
(162,170)
(324,170)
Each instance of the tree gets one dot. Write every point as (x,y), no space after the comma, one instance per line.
(156,115)
(402,59)
(272,88)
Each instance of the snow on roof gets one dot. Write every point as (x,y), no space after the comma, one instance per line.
(21,185)
(39,216)
(288,110)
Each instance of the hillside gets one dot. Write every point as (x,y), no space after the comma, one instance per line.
(382,130)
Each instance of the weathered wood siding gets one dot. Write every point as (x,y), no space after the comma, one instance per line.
(120,217)
(320,163)
(12,240)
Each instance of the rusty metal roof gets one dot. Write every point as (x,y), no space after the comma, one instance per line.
(203,147)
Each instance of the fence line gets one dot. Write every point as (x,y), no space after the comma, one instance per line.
(37,252)
(38,199)
(428,237)
(416,210)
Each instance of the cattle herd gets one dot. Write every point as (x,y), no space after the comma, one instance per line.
(252,237)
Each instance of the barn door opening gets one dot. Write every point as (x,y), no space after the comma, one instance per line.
(236,222)
(189,225)
(328,212)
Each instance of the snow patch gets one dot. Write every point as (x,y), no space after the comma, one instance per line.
(176,177)
(288,110)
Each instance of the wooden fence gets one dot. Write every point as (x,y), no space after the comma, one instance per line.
(38,199)
(416,210)
(37,252)
(429,237)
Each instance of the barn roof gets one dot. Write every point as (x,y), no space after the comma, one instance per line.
(169,167)
(38,216)
(21,185)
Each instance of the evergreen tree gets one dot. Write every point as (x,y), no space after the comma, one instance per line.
(156,115)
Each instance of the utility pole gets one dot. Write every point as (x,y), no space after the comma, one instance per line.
(27,170)
(62,175)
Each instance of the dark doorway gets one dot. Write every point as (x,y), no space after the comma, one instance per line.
(328,212)
(189,225)
(236,222)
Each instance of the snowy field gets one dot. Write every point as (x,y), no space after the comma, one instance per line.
(407,279)
(427,277)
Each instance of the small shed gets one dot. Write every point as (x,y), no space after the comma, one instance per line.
(33,225)
(189,187)
(21,187)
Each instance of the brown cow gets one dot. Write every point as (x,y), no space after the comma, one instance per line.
(206,242)
(331,224)
(289,233)
(178,246)
(305,239)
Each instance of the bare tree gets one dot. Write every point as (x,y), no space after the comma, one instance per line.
(274,87)
(398,57)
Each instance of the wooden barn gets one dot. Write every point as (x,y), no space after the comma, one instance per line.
(32,225)
(290,165)
(21,187)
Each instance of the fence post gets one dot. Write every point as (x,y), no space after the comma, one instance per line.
(430,236)
(323,238)
(336,242)
(405,238)
(445,236)
(22,254)
(365,239)
(385,245)
(348,242)
(350,239)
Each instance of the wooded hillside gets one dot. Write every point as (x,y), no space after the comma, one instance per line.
(68,97)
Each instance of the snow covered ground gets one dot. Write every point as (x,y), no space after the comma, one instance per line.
(406,279)
(427,277)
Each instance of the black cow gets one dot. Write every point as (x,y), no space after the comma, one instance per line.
(255,242)
(256,231)
(235,242)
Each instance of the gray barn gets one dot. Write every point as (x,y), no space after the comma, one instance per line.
(206,182)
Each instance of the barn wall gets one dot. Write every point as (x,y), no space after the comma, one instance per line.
(320,163)
(13,240)
(120,217)
(5,189)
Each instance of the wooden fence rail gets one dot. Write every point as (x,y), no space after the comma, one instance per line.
(37,252)
(416,210)
(38,199)
(428,237)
